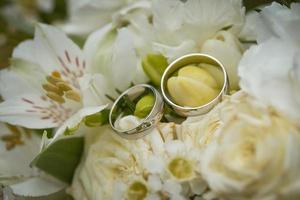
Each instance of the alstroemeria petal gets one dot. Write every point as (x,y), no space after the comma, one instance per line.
(124,60)
(14,162)
(97,13)
(97,49)
(36,187)
(32,111)
(12,85)
(26,105)
(94,89)
(53,51)
(75,120)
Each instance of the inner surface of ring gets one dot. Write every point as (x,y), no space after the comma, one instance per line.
(132,108)
(193,81)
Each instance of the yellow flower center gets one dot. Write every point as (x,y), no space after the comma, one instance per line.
(137,191)
(57,89)
(181,168)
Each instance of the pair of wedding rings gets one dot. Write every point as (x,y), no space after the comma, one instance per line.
(146,124)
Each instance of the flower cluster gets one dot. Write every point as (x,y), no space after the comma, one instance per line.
(245,148)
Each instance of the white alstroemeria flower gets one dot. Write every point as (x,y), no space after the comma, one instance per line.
(116,50)
(270,70)
(42,87)
(97,13)
(22,15)
(198,26)
(18,147)
(253,153)
(109,159)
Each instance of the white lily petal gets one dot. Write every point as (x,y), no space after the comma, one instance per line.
(265,73)
(36,187)
(14,163)
(75,120)
(123,60)
(225,47)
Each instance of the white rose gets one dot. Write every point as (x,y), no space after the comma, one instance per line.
(254,153)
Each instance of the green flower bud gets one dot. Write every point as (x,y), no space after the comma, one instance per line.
(97,119)
(144,106)
(192,87)
(154,66)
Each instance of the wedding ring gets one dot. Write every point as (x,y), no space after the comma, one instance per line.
(146,124)
(195,58)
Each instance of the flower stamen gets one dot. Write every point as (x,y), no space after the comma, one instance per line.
(56,89)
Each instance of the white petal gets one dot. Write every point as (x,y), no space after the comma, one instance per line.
(28,111)
(172,187)
(249,31)
(265,73)
(174,52)
(175,147)
(228,52)
(127,122)
(295,75)
(97,48)
(46,5)
(35,187)
(96,13)
(12,85)
(124,60)
(280,21)
(154,183)
(215,15)
(55,51)
(75,120)
(14,163)
(155,164)
(94,87)
(167,14)
(25,51)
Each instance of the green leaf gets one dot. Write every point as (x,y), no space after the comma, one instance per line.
(154,66)
(61,158)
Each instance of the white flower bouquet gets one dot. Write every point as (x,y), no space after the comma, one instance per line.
(247,147)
